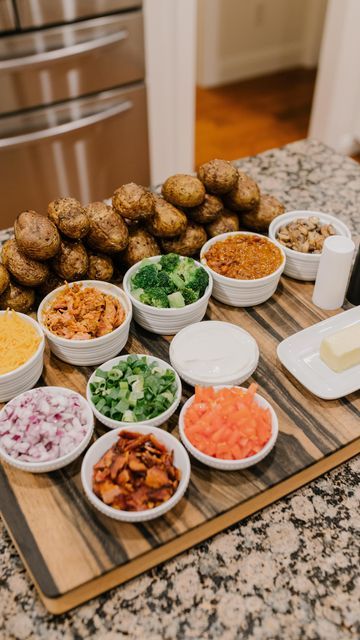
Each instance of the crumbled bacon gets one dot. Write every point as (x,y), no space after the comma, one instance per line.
(136,474)
(156,478)
(135,464)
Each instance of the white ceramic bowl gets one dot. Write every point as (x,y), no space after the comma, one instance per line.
(304,266)
(155,422)
(230,465)
(232,358)
(166,321)
(97,450)
(96,350)
(63,461)
(242,293)
(26,376)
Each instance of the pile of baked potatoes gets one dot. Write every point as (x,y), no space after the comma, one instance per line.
(75,242)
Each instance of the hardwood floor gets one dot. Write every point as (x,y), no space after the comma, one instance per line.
(251,116)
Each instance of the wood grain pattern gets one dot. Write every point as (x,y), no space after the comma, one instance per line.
(244,118)
(74,553)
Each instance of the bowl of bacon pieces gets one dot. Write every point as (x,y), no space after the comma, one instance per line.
(228,428)
(135,474)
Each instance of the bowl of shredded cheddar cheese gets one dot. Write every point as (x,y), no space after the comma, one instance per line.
(22,345)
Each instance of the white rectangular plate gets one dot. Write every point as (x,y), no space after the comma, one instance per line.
(300,354)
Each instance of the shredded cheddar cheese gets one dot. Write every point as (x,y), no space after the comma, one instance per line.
(18,341)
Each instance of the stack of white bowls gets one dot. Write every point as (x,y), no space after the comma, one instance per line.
(26,376)
(304,266)
(242,293)
(165,321)
(96,350)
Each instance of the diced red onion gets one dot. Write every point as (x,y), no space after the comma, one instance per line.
(42,425)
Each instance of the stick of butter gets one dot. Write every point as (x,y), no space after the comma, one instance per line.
(341,350)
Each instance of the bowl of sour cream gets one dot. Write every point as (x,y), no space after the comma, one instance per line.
(214,353)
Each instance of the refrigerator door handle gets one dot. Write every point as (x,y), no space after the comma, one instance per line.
(67,127)
(17,64)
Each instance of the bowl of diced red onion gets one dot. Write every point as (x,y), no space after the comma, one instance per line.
(45,429)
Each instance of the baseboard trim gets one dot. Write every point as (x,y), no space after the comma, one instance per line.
(255,63)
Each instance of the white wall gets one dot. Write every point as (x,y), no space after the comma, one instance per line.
(335,118)
(239,39)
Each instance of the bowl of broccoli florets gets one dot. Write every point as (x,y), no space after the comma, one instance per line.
(168,292)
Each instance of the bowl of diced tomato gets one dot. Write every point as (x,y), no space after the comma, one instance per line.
(227,427)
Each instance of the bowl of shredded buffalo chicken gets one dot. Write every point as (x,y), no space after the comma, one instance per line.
(86,322)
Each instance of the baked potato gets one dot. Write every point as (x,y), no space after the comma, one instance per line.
(227,221)
(244,196)
(69,217)
(260,217)
(51,283)
(4,278)
(134,202)
(141,245)
(167,221)
(71,262)
(25,271)
(188,243)
(210,209)
(218,176)
(36,235)
(182,190)
(17,298)
(100,267)
(108,231)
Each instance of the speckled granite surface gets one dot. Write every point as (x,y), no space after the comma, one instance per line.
(289,572)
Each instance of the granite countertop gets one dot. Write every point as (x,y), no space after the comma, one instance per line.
(289,572)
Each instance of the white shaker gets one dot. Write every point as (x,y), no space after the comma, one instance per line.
(333,272)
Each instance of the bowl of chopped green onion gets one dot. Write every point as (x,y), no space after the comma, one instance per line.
(134,389)
(168,292)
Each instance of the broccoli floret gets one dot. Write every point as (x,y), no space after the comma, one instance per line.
(177,280)
(145,297)
(166,283)
(145,278)
(137,293)
(169,261)
(186,269)
(189,295)
(155,297)
(199,281)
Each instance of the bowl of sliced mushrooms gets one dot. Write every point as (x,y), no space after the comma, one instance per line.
(302,235)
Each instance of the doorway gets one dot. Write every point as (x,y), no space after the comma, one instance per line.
(256,72)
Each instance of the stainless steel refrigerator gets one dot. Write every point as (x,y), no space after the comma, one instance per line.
(73,117)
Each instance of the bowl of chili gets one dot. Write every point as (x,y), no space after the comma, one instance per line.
(245,266)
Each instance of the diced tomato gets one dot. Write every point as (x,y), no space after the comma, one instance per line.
(227,423)
(238,452)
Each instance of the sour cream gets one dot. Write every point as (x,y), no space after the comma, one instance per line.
(213,352)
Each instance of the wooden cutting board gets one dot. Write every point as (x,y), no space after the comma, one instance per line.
(73,553)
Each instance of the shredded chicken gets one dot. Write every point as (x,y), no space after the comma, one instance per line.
(83,313)
(137,473)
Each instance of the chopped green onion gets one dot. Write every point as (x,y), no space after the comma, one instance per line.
(133,390)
